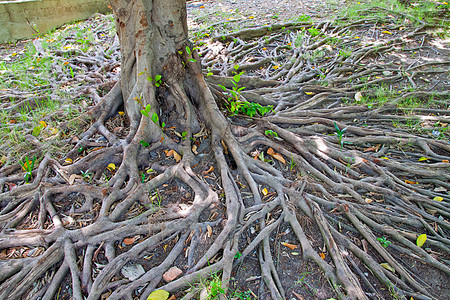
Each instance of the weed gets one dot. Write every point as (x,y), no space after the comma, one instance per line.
(340,134)
(383,240)
(314,31)
(271,133)
(87,176)
(28,166)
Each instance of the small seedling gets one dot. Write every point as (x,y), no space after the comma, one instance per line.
(293,164)
(314,31)
(271,133)
(384,241)
(86,175)
(28,166)
(184,135)
(340,134)
(238,255)
(144,144)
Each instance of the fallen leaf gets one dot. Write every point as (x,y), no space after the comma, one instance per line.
(437,198)
(159,295)
(111,167)
(68,161)
(309,93)
(168,152)
(275,155)
(322,255)
(411,182)
(387,267)
(299,297)
(358,96)
(446,161)
(42,124)
(275,67)
(194,149)
(295,253)
(387,32)
(421,240)
(423,158)
(209,228)
(368,200)
(73,177)
(290,246)
(440,189)
(265,192)
(129,241)
(225,148)
(176,156)
(121,113)
(172,297)
(209,170)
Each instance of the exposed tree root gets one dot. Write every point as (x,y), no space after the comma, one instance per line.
(375,181)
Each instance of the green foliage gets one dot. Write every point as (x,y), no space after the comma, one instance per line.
(87,176)
(314,31)
(146,110)
(144,144)
(340,134)
(271,133)
(28,166)
(215,288)
(384,241)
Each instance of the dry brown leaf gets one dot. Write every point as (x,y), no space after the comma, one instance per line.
(73,177)
(225,148)
(209,170)
(172,297)
(209,230)
(275,155)
(176,156)
(290,246)
(298,296)
(129,241)
(194,149)
(368,200)
(168,152)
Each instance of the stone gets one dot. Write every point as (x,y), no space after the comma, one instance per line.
(172,274)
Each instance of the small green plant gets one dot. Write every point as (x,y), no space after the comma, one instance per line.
(340,134)
(87,176)
(215,288)
(28,166)
(144,144)
(157,80)
(271,133)
(238,255)
(345,53)
(383,240)
(314,31)
(242,295)
(184,135)
(293,164)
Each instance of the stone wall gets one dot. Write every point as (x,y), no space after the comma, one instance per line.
(23,19)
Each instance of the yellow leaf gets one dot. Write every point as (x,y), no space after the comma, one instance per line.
(264,48)
(68,161)
(14,54)
(423,158)
(411,182)
(421,240)
(276,67)
(357,37)
(388,267)
(437,198)
(265,192)
(368,200)
(446,161)
(42,124)
(290,246)
(384,157)
(66,63)
(202,6)
(176,156)
(251,17)
(121,113)
(158,295)
(309,93)
(322,255)
(387,32)
(111,167)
